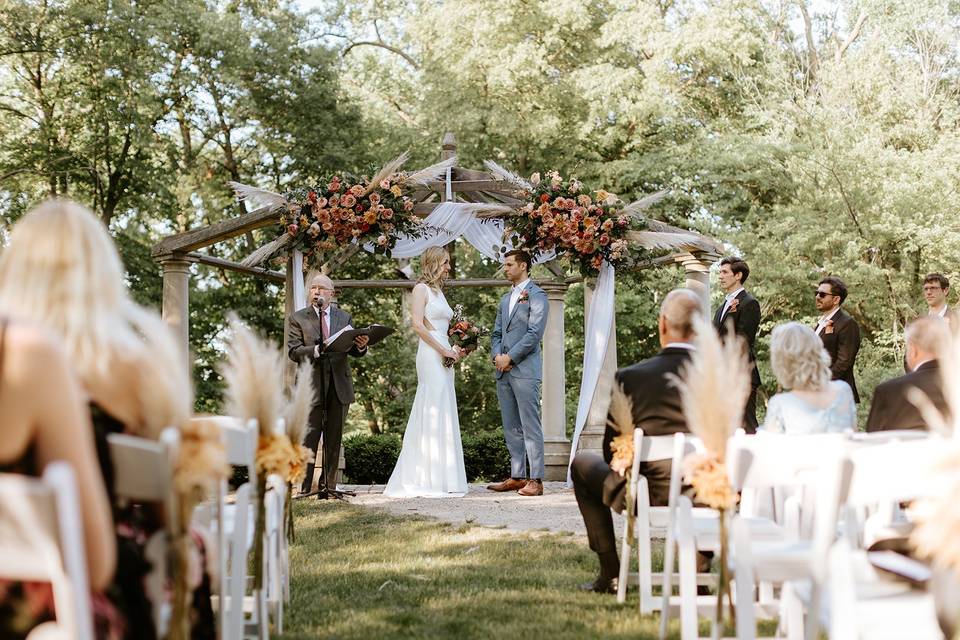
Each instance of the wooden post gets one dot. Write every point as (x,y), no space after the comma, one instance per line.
(556,444)
(591,438)
(176,296)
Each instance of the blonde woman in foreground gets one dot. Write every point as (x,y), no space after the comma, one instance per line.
(810,402)
(35,432)
(431,460)
(62,270)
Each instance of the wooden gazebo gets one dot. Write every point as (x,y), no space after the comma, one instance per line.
(176,253)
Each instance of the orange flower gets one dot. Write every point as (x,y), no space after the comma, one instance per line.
(370,217)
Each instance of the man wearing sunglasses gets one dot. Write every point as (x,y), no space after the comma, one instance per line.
(839,332)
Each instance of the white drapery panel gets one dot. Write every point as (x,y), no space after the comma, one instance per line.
(299,295)
(598,329)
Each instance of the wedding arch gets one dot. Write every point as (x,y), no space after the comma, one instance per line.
(457,203)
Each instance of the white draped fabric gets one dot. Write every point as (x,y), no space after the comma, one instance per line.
(299,295)
(452,220)
(597,335)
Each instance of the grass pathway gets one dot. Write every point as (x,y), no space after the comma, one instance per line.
(363,573)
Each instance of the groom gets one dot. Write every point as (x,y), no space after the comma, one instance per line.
(515,343)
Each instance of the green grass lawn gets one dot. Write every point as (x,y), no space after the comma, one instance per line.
(359,573)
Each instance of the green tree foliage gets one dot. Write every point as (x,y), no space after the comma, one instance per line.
(814,138)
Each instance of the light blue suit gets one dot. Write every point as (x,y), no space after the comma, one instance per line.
(518,390)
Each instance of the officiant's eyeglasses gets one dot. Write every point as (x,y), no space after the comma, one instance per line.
(823,294)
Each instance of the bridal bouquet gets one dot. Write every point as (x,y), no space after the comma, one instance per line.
(464,333)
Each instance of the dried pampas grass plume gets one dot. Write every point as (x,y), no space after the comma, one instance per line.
(620,417)
(254,375)
(164,385)
(386,172)
(714,386)
(299,405)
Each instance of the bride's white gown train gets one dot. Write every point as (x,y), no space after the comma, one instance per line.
(431,460)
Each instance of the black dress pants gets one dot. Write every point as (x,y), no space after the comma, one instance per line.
(326,419)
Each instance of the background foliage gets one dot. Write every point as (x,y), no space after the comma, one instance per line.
(813,137)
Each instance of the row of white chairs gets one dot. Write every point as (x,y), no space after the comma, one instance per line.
(797,494)
(41,535)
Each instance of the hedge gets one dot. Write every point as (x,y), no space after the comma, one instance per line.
(370,458)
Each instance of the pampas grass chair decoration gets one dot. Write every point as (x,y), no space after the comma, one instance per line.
(714,386)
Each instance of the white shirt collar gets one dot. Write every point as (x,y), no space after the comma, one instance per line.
(521,286)
(731,296)
(319,311)
(922,362)
(942,313)
(825,318)
(679,345)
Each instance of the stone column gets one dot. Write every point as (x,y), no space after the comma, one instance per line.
(591,438)
(556,444)
(176,296)
(697,268)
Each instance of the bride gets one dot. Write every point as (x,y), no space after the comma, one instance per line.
(431,460)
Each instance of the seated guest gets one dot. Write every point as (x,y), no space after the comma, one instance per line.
(925,337)
(657,410)
(811,402)
(62,270)
(35,432)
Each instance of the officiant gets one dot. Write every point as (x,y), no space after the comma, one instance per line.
(332,380)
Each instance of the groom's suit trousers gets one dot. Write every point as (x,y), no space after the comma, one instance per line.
(520,409)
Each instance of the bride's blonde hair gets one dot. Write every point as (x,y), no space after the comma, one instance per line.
(61,270)
(431,266)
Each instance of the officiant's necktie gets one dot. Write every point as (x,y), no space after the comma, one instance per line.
(323,324)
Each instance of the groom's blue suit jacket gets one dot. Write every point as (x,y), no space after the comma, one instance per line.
(519,334)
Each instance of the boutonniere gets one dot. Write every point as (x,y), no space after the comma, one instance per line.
(524,297)
(828,328)
(733,305)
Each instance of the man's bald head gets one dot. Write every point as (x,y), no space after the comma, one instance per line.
(927,338)
(677,314)
(321,286)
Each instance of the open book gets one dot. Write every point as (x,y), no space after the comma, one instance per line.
(342,341)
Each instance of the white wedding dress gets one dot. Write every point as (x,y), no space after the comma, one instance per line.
(431,460)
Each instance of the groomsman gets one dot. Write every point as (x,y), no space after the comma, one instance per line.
(936,287)
(839,332)
(657,410)
(926,338)
(741,311)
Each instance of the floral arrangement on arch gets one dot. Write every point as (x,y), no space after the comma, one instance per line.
(345,209)
(587,227)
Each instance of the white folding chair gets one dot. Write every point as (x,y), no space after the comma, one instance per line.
(885,474)
(648,448)
(41,540)
(804,463)
(143,472)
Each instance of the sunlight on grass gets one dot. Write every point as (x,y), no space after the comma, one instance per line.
(360,573)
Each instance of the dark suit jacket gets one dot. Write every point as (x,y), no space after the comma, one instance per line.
(746,321)
(658,411)
(892,410)
(330,368)
(842,343)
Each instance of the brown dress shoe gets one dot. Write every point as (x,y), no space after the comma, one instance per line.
(510,484)
(532,488)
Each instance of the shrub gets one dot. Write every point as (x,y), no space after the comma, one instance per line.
(370,459)
(486,456)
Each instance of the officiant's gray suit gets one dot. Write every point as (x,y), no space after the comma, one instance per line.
(518,334)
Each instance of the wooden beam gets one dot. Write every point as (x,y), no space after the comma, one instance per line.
(459,186)
(220,263)
(211,234)
(410,284)
(459,173)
